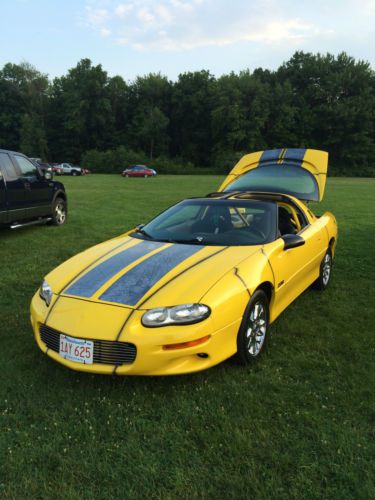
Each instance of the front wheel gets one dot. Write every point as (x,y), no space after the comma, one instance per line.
(325,272)
(253,333)
(59,212)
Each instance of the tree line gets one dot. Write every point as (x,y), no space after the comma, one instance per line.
(198,123)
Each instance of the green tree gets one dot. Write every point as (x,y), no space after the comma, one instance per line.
(80,111)
(151,126)
(23,103)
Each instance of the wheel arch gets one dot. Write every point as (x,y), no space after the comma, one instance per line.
(60,194)
(268,288)
(332,245)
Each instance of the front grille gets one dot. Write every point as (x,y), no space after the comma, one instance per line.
(106,352)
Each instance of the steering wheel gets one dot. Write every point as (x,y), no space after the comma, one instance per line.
(258,232)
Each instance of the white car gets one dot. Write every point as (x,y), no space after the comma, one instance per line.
(69,169)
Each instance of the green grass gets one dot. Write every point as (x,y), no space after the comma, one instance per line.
(297,424)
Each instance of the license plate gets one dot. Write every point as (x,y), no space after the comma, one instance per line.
(78,350)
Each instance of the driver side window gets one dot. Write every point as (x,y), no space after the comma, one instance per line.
(27,168)
(290,220)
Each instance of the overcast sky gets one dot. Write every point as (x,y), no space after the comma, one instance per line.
(135,37)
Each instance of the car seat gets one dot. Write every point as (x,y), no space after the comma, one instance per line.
(216,220)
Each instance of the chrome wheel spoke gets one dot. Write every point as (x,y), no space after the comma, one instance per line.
(60,213)
(326,269)
(256,329)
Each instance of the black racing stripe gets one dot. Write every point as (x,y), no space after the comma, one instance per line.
(99,275)
(133,285)
(270,155)
(93,263)
(79,274)
(269,262)
(165,284)
(242,280)
(294,155)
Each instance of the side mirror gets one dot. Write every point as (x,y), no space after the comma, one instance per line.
(292,241)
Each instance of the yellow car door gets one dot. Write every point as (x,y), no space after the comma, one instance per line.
(296,268)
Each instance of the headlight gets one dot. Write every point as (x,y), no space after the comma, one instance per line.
(45,292)
(177,315)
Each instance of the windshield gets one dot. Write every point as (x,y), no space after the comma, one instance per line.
(214,222)
(288,179)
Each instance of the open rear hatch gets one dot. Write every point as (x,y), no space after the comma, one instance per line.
(298,172)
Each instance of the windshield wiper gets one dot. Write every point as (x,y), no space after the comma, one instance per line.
(193,241)
(144,233)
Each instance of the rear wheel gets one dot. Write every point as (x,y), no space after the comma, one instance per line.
(74,172)
(325,272)
(59,212)
(253,333)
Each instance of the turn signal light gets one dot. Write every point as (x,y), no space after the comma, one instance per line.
(183,345)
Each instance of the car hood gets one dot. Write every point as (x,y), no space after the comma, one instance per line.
(133,273)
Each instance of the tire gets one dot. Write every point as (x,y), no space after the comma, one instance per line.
(127,175)
(145,176)
(74,172)
(325,272)
(253,333)
(59,212)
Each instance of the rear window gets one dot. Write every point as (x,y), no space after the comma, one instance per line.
(288,179)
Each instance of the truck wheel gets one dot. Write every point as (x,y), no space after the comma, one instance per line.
(59,212)
(74,172)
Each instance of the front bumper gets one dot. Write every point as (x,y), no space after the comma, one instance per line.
(102,322)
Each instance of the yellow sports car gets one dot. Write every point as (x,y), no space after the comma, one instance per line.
(200,282)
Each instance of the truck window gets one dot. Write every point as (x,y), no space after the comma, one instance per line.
(7,167)
(26,167)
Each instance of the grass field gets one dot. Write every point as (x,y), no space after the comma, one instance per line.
(299,424)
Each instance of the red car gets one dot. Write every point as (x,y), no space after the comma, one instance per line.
(138,171)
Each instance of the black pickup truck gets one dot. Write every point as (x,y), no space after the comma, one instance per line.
(27,194)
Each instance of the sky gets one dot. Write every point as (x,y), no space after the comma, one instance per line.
(136,37)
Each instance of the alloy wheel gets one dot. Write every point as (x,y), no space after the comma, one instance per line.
(326,269)
(256,329)
(60,213)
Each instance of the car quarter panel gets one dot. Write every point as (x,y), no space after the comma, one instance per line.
(230,295)
(330,223)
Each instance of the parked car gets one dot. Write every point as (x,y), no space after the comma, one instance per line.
(199,283)
(69,169)
(56,168)
(138,171)
(28,195)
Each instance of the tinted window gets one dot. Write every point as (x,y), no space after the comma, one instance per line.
(273,178)
(27,168)
(214,222)
(7,167)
